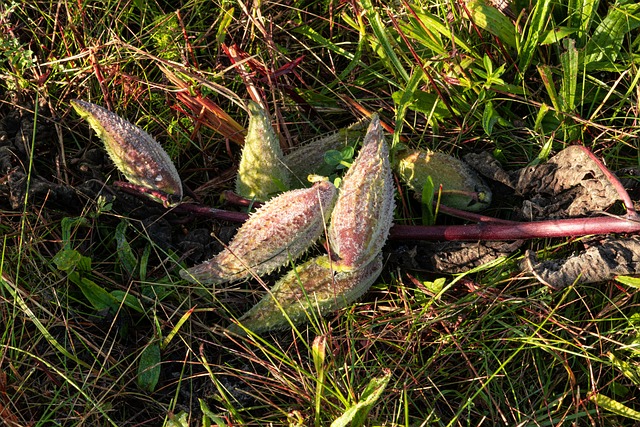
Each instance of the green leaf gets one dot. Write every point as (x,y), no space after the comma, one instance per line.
(424,28)
(428,192)
(66,224)
(208,417)
(97,296)
(535,29)
(569,62)
(424,102)
(492,20)
(149,367)
(614,406)
(181,419)
(547,81)
(489,117)
(606,41)
(630,370)
(633,282)
(176,328)
(125,254)
(380,31)
(67,260)
(356,415)
(333,157)
(581,13)
(554,35)
(127,299)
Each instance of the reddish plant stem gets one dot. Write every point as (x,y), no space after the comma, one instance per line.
(213,213)
(487,228)
(572,227)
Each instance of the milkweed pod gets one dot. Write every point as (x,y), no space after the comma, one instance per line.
(261,173)
(280,231)
(462,188)
(314,287)
(308,158)
(134,152)
(363,214)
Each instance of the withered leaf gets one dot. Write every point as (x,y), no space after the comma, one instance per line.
(598,263)
(569,184)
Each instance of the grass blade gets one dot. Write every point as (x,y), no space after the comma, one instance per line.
(606,42)
(569,62)
(356,415)
(492,20)
(614,406)
(380,31)
(534,32)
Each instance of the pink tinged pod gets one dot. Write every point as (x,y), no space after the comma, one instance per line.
(363,213)
(134,152)
(312,288)
(280,231)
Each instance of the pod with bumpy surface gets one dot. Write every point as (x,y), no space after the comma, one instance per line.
(363,214)
(135,153)
(314,287)
(308,158)
(280,231)
(261,173)
(462,188)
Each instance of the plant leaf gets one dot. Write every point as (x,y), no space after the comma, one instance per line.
(149,367)
(356,415)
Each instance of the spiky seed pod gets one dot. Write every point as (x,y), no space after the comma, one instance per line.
(280,231)
(363,214)
(314,287)
(135,153)
(308,158)
(462,188)
(261,173)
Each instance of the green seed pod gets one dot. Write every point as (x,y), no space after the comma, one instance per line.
(462,188)
(135,153)
(313,287)
(363,214)
(308,158)
(261,173)
(280,231)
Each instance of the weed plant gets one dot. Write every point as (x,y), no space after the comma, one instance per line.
(96,328)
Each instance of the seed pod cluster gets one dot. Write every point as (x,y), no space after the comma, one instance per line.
(134,152)
(462,188)
(287,225)
(277,233)
(261,173)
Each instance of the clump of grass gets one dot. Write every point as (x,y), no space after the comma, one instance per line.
(97,328)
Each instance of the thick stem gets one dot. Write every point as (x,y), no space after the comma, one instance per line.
(488,228)
(518,230)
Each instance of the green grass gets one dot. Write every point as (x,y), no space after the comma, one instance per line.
(97,328)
